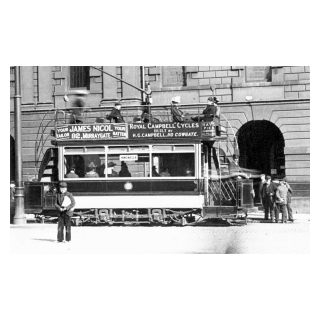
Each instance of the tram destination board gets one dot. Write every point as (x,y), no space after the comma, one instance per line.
(162,130)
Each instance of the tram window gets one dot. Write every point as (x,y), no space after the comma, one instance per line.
(85,165)
(174,164)
(135,165)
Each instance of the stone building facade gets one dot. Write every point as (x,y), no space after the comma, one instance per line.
(267,106)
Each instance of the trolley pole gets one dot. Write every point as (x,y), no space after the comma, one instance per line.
(19,217)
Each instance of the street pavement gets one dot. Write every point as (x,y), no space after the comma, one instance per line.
(257,237)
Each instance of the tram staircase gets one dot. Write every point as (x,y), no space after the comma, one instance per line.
(222,192)
(48,159)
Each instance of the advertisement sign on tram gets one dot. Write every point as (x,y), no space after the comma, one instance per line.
(159,130)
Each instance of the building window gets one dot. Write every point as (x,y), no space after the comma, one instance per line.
(258,74)
(173,76)
(79,77)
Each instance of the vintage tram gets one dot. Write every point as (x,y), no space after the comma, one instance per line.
(147,173)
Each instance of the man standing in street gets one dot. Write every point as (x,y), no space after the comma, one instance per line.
(64,205)
(290,217)
(262,182)
(268,198)
(281,200)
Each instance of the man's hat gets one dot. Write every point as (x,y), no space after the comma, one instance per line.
(176,99)
(285,179)
(118,103)
(111,164)
(268,178)
(63,185)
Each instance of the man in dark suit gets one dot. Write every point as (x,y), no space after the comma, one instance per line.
(64,205)
(268,199)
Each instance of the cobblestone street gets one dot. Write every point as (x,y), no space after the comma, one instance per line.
(253,238)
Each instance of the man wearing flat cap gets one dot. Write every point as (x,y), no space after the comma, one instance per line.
(115,114)
(268,199)
(281,200)
(64,205)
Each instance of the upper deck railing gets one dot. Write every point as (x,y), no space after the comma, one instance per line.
(163,123)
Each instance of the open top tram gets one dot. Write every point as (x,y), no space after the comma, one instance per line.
(163,173)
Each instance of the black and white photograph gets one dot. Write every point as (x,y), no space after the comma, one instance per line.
(196,159)
(160,154)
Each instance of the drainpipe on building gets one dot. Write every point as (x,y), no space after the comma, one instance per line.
(19,217)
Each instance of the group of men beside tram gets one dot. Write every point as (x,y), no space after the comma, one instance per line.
(276,199)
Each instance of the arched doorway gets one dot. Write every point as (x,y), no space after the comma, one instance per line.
(261,146)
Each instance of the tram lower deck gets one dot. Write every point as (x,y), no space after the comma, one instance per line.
(131,178)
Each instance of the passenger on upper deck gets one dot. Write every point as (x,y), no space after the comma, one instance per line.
(212,111)
(115,114)
(78,106)
(177,114)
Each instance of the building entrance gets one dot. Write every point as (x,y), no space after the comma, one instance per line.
(261,146)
